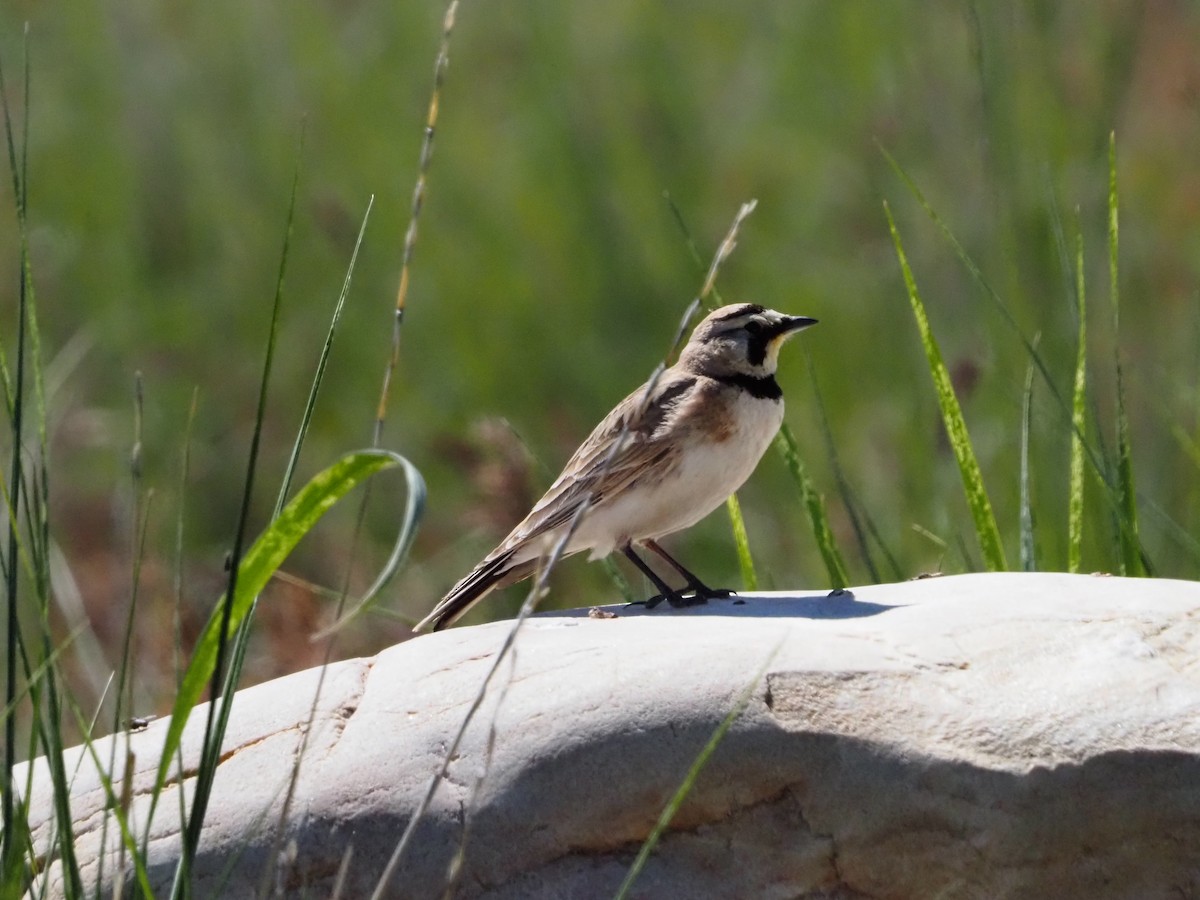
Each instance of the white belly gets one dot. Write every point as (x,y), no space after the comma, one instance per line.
(705,476)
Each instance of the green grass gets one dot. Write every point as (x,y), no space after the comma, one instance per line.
(37,695)
(986,530)
(542,221)
(1133,558)
(151,156)
(1078,421)
(814,505)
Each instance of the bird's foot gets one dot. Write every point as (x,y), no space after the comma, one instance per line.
(707,593)
(695,596)
(674,598)
(681,601)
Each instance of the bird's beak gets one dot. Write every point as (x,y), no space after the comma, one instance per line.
(789,325)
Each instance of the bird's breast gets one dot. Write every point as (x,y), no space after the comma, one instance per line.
(717,450)
(721,453)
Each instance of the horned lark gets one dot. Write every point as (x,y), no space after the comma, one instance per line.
(683,451)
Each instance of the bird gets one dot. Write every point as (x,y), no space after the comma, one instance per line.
(687,441)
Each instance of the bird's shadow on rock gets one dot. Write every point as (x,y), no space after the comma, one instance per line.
(840,604)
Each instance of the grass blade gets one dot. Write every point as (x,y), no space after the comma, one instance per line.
(977,275)
(185,465)
(414,506)
(1133,562)
(322,363)
(540,580)
(260,561)
(742,542)
(1028,545)
(222,686)
(34,502)
(259,564)
(284,488)
(956,428)
(1105,472)
(814,504)
(1079,422)
(732,505)
(861,521)
(536,591)
(118,806)
(10,848)
(418,202)
(140,505)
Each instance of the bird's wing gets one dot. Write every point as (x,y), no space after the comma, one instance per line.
(589,472)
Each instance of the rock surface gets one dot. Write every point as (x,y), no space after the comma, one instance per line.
(998,736)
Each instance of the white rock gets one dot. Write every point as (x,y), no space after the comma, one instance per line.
(973,736)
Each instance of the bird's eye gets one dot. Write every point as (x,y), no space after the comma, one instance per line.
(754,328)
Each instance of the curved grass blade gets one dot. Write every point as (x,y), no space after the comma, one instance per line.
(956,428)
(261,560)
(414,506)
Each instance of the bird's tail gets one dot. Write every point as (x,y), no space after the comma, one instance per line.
(494,572)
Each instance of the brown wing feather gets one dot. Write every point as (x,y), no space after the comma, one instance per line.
(585,472)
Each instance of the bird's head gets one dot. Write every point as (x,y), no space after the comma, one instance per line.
(741,338)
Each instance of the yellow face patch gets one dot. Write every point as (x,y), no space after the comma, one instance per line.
(773,346)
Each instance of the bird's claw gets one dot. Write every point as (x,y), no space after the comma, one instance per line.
(684,599)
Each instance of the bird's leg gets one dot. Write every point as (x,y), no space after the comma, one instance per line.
(668,593)
(702,591)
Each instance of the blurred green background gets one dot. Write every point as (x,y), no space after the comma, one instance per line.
(550,272)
